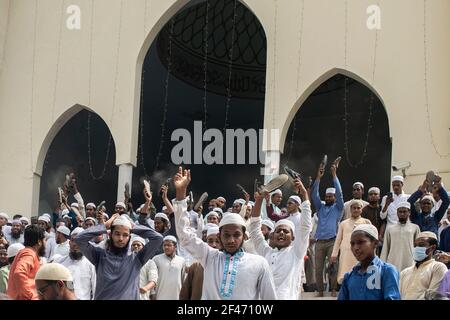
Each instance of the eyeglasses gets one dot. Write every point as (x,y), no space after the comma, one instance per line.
(42,290)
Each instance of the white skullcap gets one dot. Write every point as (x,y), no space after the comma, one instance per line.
(232,218)
(241,201)
(358,184)
(269,224)
(162,216)
(64,212)
(121,204)
(164,208)
(296,199)
(14,249)
(44,218)
(64,230)
(105,215)
(285,222)
(122,221)
(4,215)
(428,197)
(358,201)
(74,204)
(278,191)
(330,190)
(219,210)
(427,234)
(17,221)
(209,225)
(53,271)
(135,238)
(374,189)
(212,213)
(170,238)
(75,231)
(251,204)
(92,205)
(92,219)
(49,216)
(368,228)
(212,230)
(221,199)
(398,178)
(404,204)
(25,219)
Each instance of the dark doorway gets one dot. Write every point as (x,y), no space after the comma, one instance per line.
(69,152)
(320,129)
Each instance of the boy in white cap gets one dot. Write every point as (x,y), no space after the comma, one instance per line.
(357,192)
(148,277)
(231,273)
(54,282)
(11,252)
(117,271)
(290,241)
(267,227)
(426,273)
(390,202)
(83,271)
(399,239)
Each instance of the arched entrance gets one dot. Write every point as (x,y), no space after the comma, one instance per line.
(353,125)
(82,145)
(222,89)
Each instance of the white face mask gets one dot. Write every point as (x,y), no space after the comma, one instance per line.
(419,254)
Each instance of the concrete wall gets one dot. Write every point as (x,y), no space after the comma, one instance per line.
(47,73)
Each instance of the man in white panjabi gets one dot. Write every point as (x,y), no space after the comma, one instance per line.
(171,271)
(399,239)
(357,192)
(148,277)
(289,242)
(231,274)
(389,204)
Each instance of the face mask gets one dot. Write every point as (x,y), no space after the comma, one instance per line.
(419,253)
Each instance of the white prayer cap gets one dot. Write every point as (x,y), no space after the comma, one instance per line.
(162,216)
(358,184)
(251,204)
(14,249)
(428,197)
(219,210)
(135,238)
(17,221)
(4,215)
(170,238)
(164,208)
(278,191)
(75,231)
(105,215)
(44,218)
(221,199)
(24,219)
(53,271)
(74,204)
(330,190)
(241,201)
(296,199)
(92,219)
(427,234)
(356,201)
(48,214)
(209,225)
(285,222)
(64,230)
(398,178)
(64,212)
(212,230)
(122,221)
(91,205)
(374,189)
(232,218)
(368,228)
(404,204)
(212,213)
(269,224)
(121,204)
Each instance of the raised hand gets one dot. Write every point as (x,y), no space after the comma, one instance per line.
(148,196)
(333,170)
(424,186)
(300,187)
(320,171)
(181,181)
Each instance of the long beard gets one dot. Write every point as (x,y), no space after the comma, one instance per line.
(15,235)
(41,252)
(75,255)
(2,264)
(116,250)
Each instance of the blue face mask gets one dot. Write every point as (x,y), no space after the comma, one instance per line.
(419,253)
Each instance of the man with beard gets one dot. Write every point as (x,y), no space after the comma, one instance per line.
(50,243)
(10,254)
(329,214)
(83,272)
(15,234)
(90,210)
(21,284)
(117,271)
(390,202)
(62,242)
(357,192)
(54,282)
(270,206)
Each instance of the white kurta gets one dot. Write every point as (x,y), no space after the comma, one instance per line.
(171,273)
(398,245)
(83,273)
(62,249)
(286,263)
(391,212)
(149,272)
(243,276)
(13,240)
(347,209)
(50,245)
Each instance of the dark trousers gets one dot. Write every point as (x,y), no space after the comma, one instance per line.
(324,248)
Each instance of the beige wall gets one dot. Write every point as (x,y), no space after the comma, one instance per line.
(122,32)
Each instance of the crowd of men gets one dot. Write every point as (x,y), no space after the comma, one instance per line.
(394,247)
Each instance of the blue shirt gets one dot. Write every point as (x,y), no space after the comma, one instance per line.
(429,222)
(329,216)
(379,282)
(444,243)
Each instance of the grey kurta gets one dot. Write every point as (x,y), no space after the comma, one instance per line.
(118,275)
